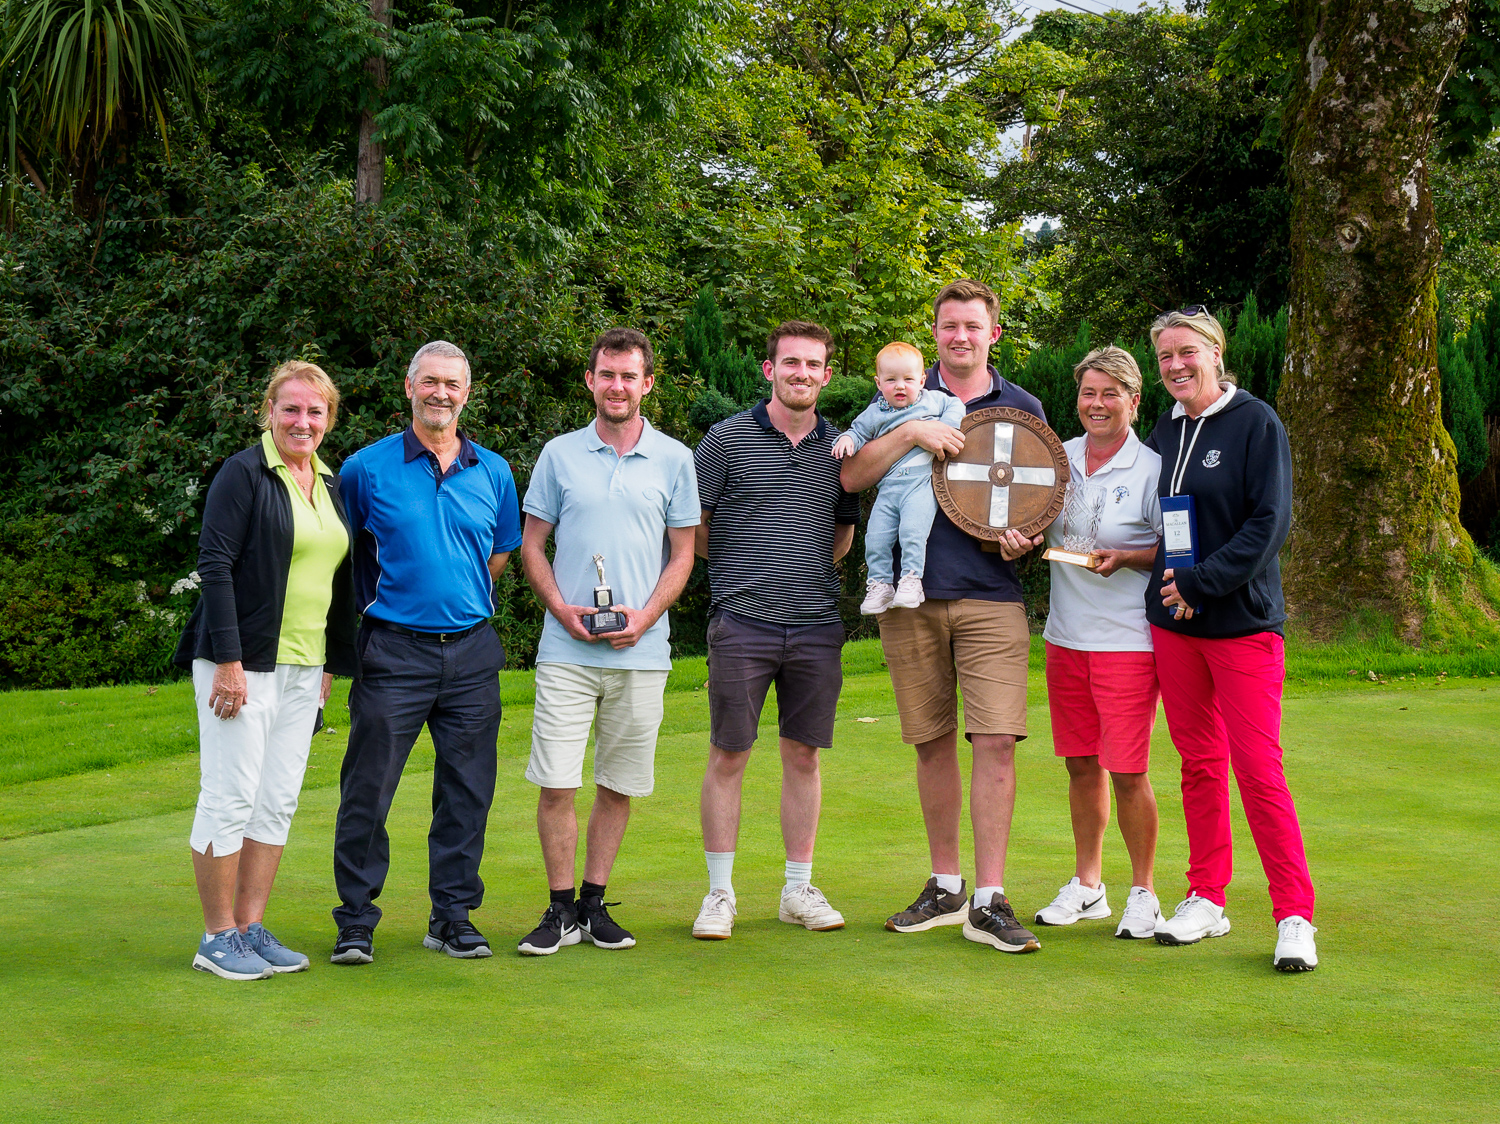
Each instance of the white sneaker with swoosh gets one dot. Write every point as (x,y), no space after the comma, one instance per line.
(1075,902)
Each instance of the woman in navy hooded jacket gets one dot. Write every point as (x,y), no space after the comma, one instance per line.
(1216,629)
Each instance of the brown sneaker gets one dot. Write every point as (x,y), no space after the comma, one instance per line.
(932,908)
(996,924)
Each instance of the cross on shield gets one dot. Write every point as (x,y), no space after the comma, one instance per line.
(1011,474)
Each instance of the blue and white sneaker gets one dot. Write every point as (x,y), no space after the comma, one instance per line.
(272,951)
(228,956)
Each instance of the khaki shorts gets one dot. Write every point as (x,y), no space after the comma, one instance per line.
(941,646)
(625,709)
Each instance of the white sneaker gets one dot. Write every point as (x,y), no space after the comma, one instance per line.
(805,905)
(716,918)
(1141,917)
(878,597)
(1295,949)
(1075,902)
(909,592)
(1193,919)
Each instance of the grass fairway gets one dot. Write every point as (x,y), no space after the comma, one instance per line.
(1396,787)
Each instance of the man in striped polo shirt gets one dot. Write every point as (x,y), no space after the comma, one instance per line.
(775,520)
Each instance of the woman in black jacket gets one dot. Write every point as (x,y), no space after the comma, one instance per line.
(1216,626)
(275,623)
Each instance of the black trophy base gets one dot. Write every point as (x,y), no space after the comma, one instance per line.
(606,620)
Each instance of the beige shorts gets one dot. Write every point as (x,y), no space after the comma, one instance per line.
(939,647)
(624,707)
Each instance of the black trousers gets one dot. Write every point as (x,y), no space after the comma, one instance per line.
(454,689)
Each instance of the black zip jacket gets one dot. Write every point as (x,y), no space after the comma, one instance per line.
(1239,472)
(244,557)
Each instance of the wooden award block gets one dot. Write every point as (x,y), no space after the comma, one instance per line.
(1011,475)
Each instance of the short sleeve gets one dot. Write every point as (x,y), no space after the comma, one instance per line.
(354,489)
(684,508)
(1151,506)
(954,411)
(846,512)
(711,467)
(507,512)
(542,494)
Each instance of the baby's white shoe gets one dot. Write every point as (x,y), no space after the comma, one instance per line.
(878,597)
(908,592)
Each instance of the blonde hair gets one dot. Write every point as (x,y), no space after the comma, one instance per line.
(900,349)
(1115,362)
(1204,323)
(298,371)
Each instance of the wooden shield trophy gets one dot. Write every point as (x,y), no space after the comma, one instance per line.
(1011,474)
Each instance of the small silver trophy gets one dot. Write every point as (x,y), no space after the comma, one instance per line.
(603,619)
(1083,511)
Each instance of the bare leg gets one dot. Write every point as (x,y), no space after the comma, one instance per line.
(216,878)
(992,802)
(557,826)
(719,804)
(801,799)
(1088,801)
(258,863)
(941,789)
(1138,824)
(606,832)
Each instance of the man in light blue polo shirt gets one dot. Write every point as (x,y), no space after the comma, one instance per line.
(619,489)
(435,520)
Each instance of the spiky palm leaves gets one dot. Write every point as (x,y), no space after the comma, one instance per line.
(80,79)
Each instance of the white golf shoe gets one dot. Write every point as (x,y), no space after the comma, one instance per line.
(1075,902)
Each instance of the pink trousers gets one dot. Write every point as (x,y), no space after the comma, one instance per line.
(1223,705)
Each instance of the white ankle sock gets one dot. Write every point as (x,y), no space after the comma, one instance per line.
(986,894)
(798,874)
(720,871)
(949,883)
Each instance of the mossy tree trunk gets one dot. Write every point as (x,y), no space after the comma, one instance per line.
(1376,512)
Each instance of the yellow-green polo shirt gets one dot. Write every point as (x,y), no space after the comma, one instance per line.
(319,543)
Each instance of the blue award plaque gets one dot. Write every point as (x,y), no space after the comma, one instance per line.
(1179,533)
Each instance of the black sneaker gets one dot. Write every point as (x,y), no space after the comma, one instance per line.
(599,926)
(558,927)
(934,906)
(456,938)
(356,945)
(996,924)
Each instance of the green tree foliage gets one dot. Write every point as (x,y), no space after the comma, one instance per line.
(731,375)
(132,364)
(84,79)
(1169,188)
(841,153)
(522,100)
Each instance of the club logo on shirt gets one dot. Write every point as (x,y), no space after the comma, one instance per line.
(1212,460)
(1120,493)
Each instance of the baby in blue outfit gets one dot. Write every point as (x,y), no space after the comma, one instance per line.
(905,506)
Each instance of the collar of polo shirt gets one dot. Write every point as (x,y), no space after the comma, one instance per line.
(763,416)
(642,446)
(414,449)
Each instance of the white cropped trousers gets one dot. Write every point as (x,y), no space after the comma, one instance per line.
(252,764)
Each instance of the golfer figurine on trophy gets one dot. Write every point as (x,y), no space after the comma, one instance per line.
(1083,509)
(603,619)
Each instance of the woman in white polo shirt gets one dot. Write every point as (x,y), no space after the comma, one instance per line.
(1101,678)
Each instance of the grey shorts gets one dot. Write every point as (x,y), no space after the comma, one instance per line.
(746,656)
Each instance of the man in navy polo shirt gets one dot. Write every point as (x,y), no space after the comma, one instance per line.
(969,634)
(435,520)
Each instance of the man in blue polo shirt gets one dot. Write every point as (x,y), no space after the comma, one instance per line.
(970,634)
(622,493)
(435,520)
